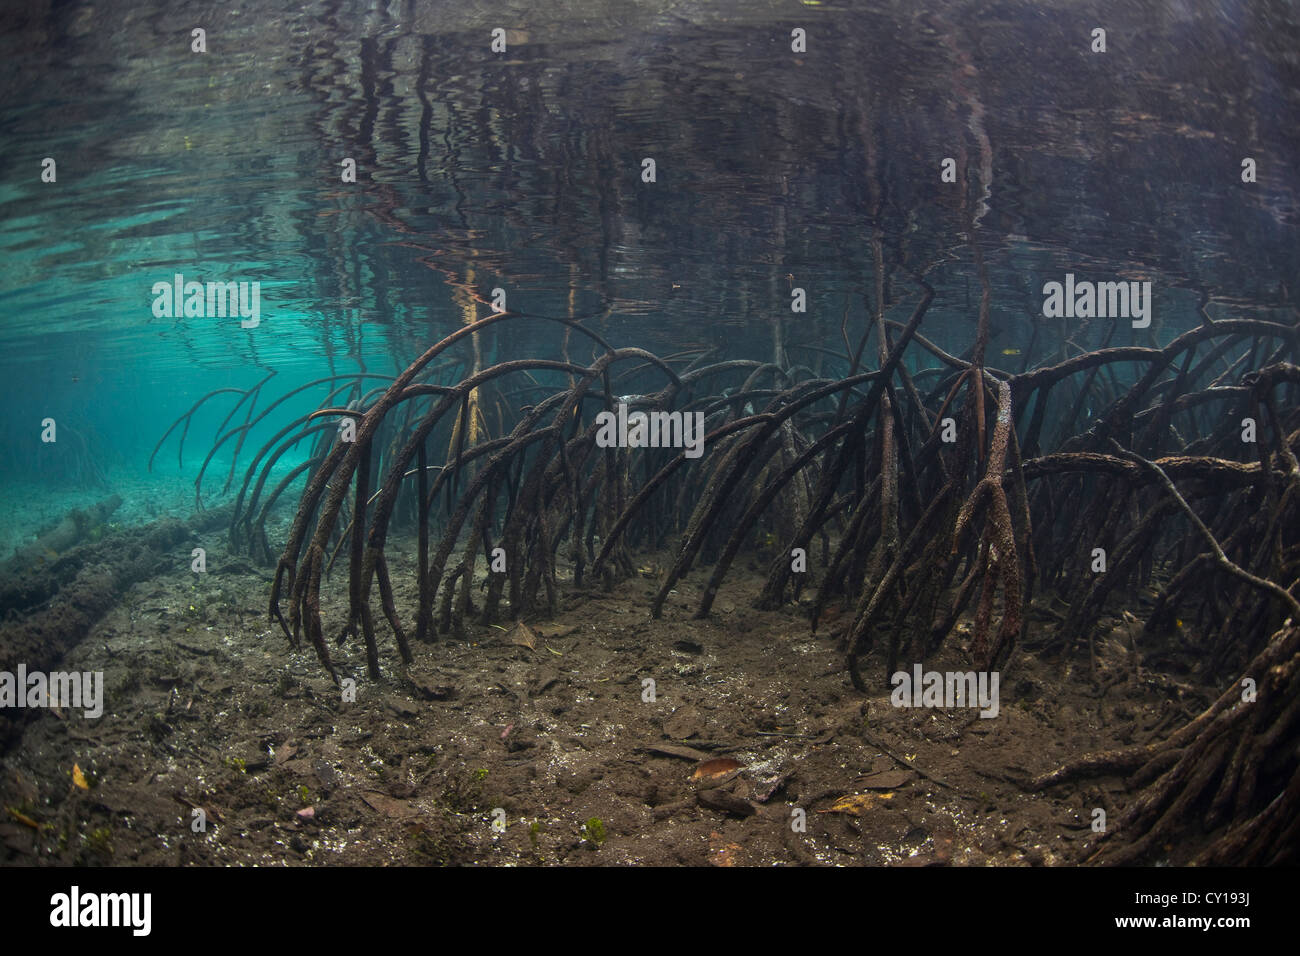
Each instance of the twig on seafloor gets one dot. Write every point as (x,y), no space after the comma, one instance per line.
(905,762)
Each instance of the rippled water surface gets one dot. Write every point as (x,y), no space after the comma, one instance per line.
(522,170)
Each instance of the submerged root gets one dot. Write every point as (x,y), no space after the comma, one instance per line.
(1237,757)
(922,501)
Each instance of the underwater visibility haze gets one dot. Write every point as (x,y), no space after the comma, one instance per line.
(739,433)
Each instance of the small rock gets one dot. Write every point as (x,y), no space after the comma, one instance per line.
(401,707)
(685,722)
(325,773)
(726,802)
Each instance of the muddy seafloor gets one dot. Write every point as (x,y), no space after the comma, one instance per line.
(212,718)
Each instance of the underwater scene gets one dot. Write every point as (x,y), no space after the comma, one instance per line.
(672,433)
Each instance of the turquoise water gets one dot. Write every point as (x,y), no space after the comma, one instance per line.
(521,170)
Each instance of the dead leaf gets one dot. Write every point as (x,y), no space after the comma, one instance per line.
(857,803)
(725,801)
(677,750)
(716,768)
(79,778)
(522,636)
(888,780)
(387,805)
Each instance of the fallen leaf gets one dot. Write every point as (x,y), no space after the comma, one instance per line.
(855,804)
(79,778)
(726,802)
(523,636)
(717,767)
(888,780)
(387,805)
(676,750)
